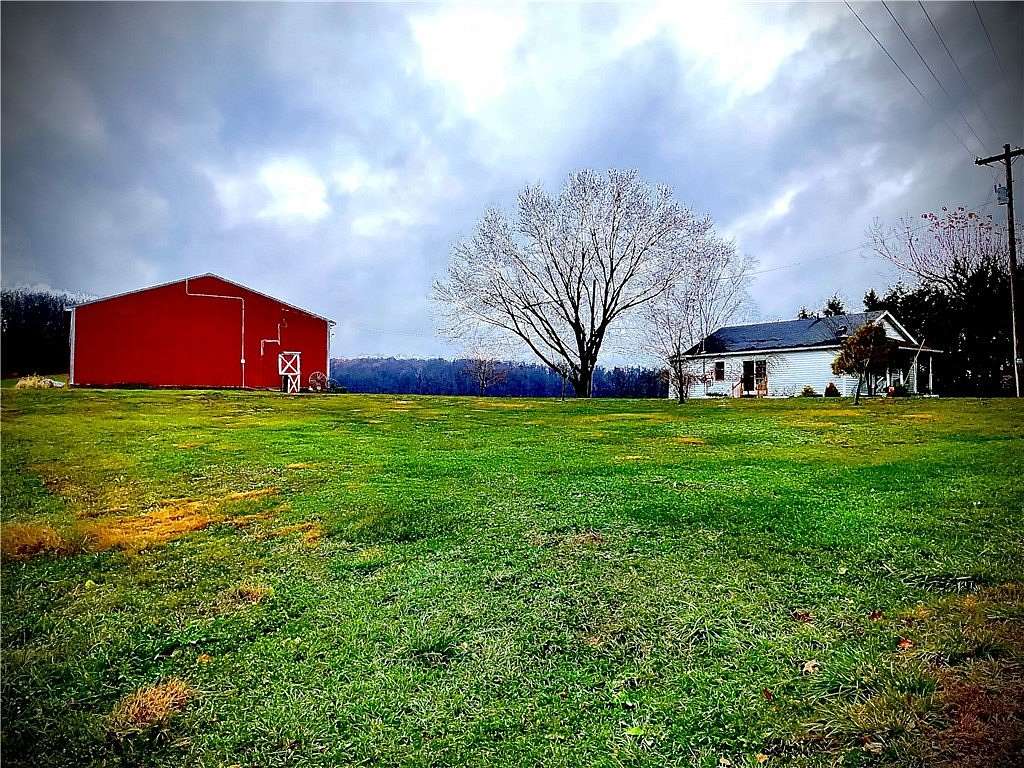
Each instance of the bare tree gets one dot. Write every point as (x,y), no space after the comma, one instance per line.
(712,293)
(947,252)
(569,266)
(484,369)
(485,372)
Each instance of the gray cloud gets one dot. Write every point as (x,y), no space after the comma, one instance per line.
(329,154)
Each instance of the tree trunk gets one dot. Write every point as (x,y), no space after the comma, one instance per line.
(583,384)
(856,395)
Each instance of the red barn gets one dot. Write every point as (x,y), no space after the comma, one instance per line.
(201,332)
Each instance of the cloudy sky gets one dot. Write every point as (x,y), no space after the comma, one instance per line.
(329,154)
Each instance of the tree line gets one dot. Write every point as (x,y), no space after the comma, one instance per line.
(438,376)
(34,332)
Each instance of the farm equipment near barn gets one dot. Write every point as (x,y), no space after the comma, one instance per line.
(318,381)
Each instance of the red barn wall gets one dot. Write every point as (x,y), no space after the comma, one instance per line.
(192,334)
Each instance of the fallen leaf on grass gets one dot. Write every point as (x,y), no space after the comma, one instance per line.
(905,644)
(804,616)
(767,695)
(875,615)
(810,667)
(761,758)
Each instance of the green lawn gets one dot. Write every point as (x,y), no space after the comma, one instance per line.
(384,580)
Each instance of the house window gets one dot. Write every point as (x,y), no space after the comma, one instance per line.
(760,369)
(720,371)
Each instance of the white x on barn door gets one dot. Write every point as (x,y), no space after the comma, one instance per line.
(290,367)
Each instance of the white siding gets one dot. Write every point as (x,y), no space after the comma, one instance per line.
(891,332)
(788,373)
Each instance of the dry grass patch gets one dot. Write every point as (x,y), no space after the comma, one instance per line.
(257,493)
(246,593)
(688,440)
(579,540)
(20,541)
(149,707)
(300,465)
(137,532)
(312,532)
(35,382)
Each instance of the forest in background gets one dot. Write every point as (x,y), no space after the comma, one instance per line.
(437,376)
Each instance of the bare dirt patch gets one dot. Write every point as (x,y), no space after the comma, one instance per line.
(953,691)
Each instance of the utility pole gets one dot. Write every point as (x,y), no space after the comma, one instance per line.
(1007,158)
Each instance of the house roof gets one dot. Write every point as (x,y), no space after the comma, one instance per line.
(787,334)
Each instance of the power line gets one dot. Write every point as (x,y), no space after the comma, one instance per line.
(967,85)
(991,45)
(932,73)
(909,80)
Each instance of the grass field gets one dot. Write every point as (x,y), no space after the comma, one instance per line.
(246,579)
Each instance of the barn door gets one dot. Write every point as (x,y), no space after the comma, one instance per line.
(289,366)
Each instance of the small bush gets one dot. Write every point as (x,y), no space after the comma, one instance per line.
(808,391)
(831,390)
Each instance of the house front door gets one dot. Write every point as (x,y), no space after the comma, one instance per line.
(748,375)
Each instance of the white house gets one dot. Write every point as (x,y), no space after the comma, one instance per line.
(779,359)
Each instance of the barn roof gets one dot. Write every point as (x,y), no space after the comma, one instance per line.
(786,334)
(196,277)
